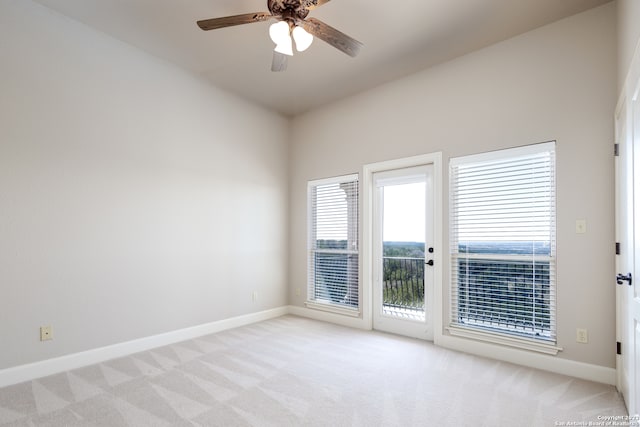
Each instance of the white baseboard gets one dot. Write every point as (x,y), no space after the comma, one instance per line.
(44,368)
(558,365)
(326,316)
(585,371)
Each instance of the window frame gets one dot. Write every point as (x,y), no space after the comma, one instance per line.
(484,333)
(326,304)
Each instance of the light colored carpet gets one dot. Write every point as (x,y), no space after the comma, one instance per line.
(298,372)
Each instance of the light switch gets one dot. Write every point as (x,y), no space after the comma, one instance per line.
(581,226)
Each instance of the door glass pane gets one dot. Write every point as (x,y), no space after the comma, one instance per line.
(403,252)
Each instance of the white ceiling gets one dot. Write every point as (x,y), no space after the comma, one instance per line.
(400,37)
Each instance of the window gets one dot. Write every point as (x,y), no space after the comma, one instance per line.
(502,233)
(333,242)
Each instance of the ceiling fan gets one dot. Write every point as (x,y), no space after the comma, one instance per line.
(291,17)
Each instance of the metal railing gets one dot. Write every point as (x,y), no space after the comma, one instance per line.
(403,284)
(509,295)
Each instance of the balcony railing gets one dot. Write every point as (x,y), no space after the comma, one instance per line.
(336,277)
(403,287)
(512,296)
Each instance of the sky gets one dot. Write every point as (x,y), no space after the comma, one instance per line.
(404,213)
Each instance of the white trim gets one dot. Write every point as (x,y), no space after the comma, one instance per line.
(503,257)
(47,367)
(325,316)
(507,153)
(311,237)
(544,362)
(336,251)
(496,338)
(585,371)
(416,328)
(522,154)
(332,180)
(558,365)
(366,248)
(633,73)
(332,308)
(623,121)
(415,174)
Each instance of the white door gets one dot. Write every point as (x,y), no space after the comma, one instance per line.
(403,249)
(633,313)
(625,257)
(628,262)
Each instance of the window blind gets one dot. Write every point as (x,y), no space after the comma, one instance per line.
(333,241)
(502,234)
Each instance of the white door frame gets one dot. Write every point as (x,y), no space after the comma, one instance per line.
(367,274)
(628,298)
(624,239)
(392,323)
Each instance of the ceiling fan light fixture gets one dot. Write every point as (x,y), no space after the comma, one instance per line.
(302,38)
(292,24)
(285,48)
(279,33)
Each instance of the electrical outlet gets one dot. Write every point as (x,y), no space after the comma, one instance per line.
(297,292)
(581,226)
(582,336)
(46,333)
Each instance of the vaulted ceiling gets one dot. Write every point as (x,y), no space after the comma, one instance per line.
(400,38)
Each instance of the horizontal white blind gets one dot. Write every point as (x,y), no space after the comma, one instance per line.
(503,242)
(333,242)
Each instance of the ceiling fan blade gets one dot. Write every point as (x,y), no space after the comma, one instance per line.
(332,36)
(280,61)
(314,4)
(230,21)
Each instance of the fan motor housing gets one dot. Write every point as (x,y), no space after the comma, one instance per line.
(289,9)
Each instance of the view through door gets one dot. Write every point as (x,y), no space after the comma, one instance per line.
(403,250)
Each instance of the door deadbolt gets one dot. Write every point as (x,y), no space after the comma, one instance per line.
(620,278)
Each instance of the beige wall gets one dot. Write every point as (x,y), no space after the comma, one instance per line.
(134,198)
(554,83)
(628,35)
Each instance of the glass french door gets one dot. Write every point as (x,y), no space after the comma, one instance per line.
(403,251)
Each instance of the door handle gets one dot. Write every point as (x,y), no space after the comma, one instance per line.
(620,278)
(430,262)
